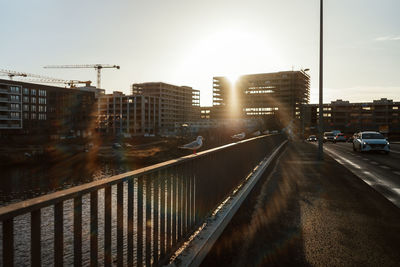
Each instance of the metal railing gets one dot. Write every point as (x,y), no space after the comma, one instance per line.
(157,208)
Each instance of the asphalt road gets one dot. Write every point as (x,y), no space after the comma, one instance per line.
(310,213)
(380,171)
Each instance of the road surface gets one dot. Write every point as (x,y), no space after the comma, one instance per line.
(308,213)
(380,171)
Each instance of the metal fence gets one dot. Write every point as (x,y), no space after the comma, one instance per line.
(157,208)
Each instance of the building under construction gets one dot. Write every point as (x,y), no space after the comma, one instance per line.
(120,114)
(179,104)
(275,97)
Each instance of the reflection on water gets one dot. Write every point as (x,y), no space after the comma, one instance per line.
(31,180)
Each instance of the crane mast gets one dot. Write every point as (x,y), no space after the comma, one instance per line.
(97,67)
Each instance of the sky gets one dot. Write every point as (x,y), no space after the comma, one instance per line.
(187,42)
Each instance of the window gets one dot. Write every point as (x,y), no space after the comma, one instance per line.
(33,100)
(14,89)
(14,115)
(42,92)
(14,97)
(15,106)
(42,100)
(394,107)
(33,108)
(26,107)
(33,91)
(42,108)
(26,115)
(26,99)
(33,116)
(26,91)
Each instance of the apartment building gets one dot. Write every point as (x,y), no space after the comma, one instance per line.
(178,103)
(47,111)
(379,115)
(272,96)
(121,114)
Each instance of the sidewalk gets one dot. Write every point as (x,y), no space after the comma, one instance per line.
(306,213)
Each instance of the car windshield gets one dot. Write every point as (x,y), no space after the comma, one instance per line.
(312,136)
(328,134)
(372,136)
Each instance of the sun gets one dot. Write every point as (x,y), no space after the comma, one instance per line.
(232,78)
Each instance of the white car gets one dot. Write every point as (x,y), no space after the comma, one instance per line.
(370,141)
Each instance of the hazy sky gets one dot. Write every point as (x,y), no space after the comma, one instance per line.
(187,42)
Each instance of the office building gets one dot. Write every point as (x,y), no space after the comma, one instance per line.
(178,103)
(120,114)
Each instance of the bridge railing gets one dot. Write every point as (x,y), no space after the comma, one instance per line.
(150,211)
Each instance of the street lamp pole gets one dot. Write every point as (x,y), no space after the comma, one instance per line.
(321,111)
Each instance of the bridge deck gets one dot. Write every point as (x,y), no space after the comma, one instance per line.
(309,213)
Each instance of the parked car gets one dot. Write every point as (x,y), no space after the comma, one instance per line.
(339,138)
(328,137)
(312,138)
(370,141)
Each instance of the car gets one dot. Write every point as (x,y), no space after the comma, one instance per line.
(117,146)
(339,138)
(312,138)
(328,137)
(370,141)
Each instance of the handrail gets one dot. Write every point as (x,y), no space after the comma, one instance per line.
(30,205)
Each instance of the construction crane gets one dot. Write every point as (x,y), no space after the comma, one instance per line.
(40,78)
(70,83)
(11,74)
(97,67)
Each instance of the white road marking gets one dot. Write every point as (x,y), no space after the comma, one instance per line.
(375,180)
(396,152)
(373,162)
(385,167)
(395,172)
(365,159)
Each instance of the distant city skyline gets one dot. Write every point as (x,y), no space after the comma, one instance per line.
(189,42)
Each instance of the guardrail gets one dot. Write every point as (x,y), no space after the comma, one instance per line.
(157,208)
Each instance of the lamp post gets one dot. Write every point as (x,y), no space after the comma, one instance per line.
(321,111)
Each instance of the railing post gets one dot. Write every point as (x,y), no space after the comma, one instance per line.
(94,228)
(58,234)
(169,207)
(174,205)
(8,242)
(35,238)
(130,222)
(179,172)
(148,220)
(156,189)
(107,226)
(162,214)
(78,231)
(120,224)
(139,246)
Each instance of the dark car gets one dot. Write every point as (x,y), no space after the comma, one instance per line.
(328,137)
(339,138)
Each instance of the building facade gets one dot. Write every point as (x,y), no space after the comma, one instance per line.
(273,96)
(121,114)
(48,111)
(379,115)
(178,103)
